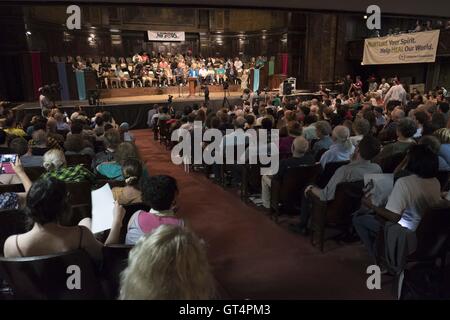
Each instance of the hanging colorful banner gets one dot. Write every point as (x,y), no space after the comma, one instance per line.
(271,68)
(81,85)
(62,76)
(415,47)
(255,80)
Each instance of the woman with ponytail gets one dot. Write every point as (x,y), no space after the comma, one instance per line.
(131,193)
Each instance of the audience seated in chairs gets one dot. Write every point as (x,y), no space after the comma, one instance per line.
(76,145)
(361,128)
(443,135)
(111,140)
(4,149)
(56,166)
(182,256)
(360,165)
(15,200)
(293,130)
(20,147)
(406,128)
(324,142)
(132,174)
(299,157)
(46,204)
(160,192)
(411,196)
(389,131)
(341,149)
(113,169)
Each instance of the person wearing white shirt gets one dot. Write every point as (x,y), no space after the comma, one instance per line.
(396,93)
(341,150)
(409,200)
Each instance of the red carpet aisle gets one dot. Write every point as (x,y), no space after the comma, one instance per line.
(252,257)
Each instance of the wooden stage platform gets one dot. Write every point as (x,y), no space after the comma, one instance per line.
(134,109)
(155,91)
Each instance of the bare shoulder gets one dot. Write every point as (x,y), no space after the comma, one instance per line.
(9,248)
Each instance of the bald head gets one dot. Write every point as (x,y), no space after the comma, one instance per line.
(299,146)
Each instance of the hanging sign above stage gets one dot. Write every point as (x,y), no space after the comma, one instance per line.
(166,35)
(415,47)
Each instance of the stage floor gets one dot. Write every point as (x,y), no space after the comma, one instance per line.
(123,101)
(134,110)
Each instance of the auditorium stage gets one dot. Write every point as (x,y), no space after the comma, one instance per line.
(134,109)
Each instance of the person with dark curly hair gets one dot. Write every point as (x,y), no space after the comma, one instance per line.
(159,192)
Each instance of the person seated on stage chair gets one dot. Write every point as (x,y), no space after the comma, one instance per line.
(56,165)
(299,157)
(360,165)
(46,204)
(168,74)
(123,76)
(160,192)
(220,74)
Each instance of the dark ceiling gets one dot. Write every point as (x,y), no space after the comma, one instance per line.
(437,8)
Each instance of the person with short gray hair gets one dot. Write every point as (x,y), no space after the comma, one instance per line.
(341,149)
(300,157)
(323,131)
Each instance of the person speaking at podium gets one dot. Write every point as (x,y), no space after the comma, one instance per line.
(193,80)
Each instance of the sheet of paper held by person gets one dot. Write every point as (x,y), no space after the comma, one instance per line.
(102,209)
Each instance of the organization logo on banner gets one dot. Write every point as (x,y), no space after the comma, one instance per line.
(166,35)
(415,47)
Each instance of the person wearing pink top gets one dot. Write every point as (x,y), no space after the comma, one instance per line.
(160,192)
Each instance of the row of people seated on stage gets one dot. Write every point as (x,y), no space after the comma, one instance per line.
(346,141)
(142,70)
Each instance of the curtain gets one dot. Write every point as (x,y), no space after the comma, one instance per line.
(36,72)
(284,63)
(255,79)
(271,68)
(62,76)
(81,85)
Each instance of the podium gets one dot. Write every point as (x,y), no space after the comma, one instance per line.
(192,85)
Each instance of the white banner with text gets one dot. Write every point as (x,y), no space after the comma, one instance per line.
(166,35)
(416,47)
